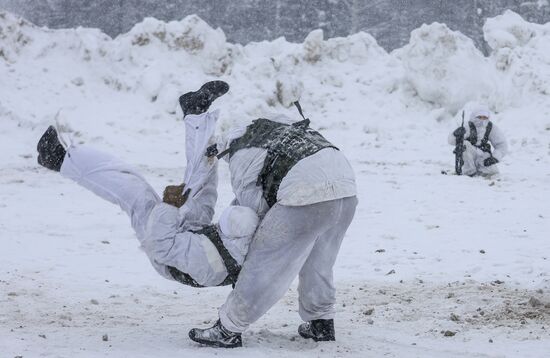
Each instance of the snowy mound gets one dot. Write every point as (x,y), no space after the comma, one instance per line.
(445,68)
(521,50)
(314,71)
(192,35)
(13,36)
(508,30)
(158,61)
(142,73)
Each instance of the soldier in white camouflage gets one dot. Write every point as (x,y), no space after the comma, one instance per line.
(484,144)
(304,189)
(176,232)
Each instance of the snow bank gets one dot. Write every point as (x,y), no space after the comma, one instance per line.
(357,48)
(13,36)
(22,41)
(207,46)
(156,61)
(445,68)
(521,51)
(508,30)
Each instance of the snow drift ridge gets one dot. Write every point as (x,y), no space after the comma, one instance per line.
(157,60)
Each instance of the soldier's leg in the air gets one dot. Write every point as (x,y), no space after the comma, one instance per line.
(112,180)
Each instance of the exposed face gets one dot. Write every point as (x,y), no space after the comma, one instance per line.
(483,118)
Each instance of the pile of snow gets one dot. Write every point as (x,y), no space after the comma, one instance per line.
(445,68)
(439,68)
(207,46)
(521,51)
(13,36)
(508,30)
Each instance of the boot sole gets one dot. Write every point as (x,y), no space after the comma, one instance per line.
(199,101)
(217,344)
(317,339)
(51,152)
(214,89)
(50,135)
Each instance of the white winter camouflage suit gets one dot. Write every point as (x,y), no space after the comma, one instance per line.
(164,230)
(300,235)
(473,156)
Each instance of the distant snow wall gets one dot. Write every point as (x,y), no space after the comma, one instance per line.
(439,67)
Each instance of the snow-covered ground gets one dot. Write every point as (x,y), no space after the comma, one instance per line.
(428,255)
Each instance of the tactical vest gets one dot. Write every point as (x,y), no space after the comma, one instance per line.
(484,145)
(231,265)
(286,145)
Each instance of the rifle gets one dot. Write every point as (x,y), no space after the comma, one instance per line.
(459,149)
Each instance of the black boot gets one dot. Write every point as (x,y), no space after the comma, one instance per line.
(318,329)
(198,102)
(216,336)
(50,151)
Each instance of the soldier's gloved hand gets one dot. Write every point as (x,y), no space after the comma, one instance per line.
(459,132)
(490,161)
(211,151)
(175,195)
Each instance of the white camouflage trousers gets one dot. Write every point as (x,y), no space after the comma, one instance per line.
(290,241)
(121,184)
(473,161)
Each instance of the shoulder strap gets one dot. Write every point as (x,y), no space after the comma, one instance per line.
(485,146)
(183,278)
(473,133)
(487,133)
(231,265)
(224,153)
